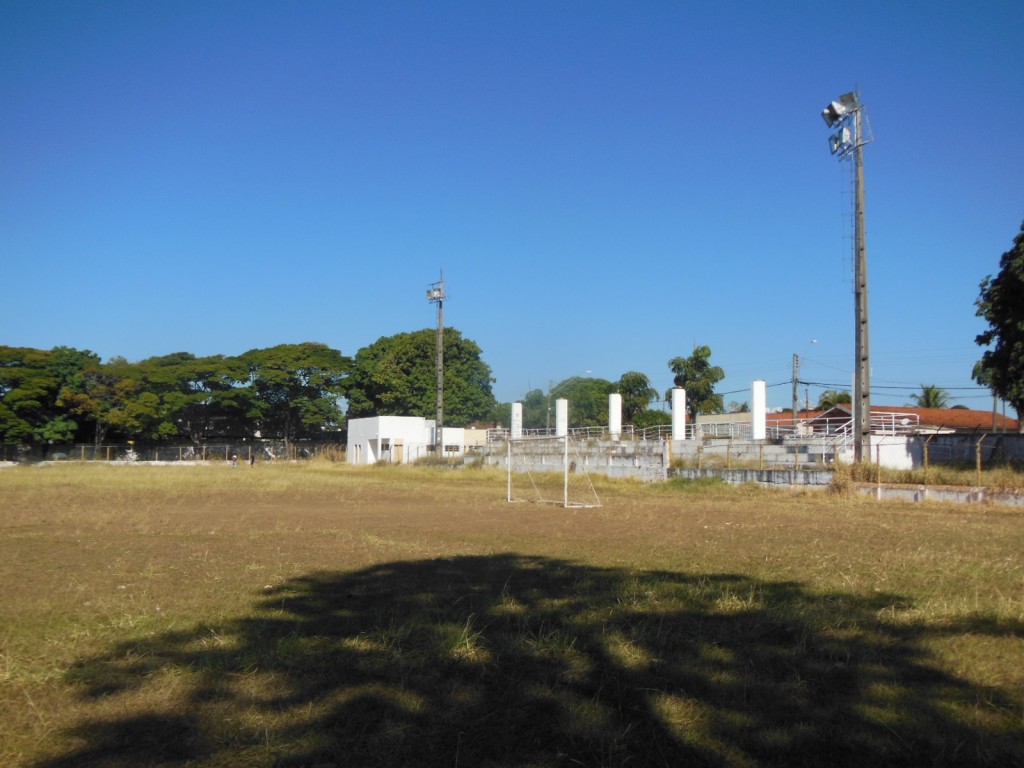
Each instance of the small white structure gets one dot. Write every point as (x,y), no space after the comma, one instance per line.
(678,413)
(561,417)
(758,424)
(398,440)
(517,420)
(615,415)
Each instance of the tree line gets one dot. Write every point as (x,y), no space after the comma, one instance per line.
(296,391)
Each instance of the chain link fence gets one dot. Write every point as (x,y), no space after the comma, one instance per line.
(242,451)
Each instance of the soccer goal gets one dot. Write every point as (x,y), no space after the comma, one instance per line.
(549,470)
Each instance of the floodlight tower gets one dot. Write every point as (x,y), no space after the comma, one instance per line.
(435,295)
(846,117)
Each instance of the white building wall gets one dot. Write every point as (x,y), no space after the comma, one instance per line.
(406,439)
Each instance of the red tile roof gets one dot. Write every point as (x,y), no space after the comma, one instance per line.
(949,418)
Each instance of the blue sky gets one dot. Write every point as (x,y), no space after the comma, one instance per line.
(603,184)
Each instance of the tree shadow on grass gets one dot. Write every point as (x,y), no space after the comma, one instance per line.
(511,660)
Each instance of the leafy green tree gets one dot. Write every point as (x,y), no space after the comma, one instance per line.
(648,418)
(1001,306)
(24,387)
(293,389)
(931,396)
(637,394)
(397,376)
(698,377)
(500,415)
(31,382)
(535,409)
(830,398)
(112,397)
(588,400)
(198,396)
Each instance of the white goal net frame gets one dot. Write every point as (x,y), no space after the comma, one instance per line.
(549,470)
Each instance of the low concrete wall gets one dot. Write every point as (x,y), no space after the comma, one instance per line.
(919,493)
(647,461)
(801,478)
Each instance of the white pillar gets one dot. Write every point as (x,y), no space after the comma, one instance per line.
(615,414)
(678,413)
(758,411)
(561,417)
(517,420)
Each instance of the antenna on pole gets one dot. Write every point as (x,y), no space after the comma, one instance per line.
(847,116)
(435,295)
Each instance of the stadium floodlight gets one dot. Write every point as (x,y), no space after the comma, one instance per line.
(841,142)
(840,110)
(833,113)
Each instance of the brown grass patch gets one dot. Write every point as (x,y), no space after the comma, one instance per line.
(320,614)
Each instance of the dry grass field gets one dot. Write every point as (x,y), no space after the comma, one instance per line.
(321,615)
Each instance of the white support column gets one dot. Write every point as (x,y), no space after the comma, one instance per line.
(517,421)
(678,413)
(758,411)
(561,417)
(615,414)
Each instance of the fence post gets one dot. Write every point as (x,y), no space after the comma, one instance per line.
(108,454)
(977,450)
(700,450)
(728,455)
(927,446)
(760,456)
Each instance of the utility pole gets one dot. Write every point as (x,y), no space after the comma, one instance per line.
(846,115)
(796,380)
(862,393)
(435,295)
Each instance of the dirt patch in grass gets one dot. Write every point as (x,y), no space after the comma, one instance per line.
(319,615)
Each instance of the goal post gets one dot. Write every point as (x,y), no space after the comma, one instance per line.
(548,470)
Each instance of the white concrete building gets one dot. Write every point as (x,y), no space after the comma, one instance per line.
(398,440)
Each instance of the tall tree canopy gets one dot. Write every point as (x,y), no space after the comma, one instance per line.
(294,389)
(31,381)
(637,394)
(111,396)
(698,377)
(1000,303)
(588,400)
(397,376)
(198,395)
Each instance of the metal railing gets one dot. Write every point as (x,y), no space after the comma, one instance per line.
(839,429)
